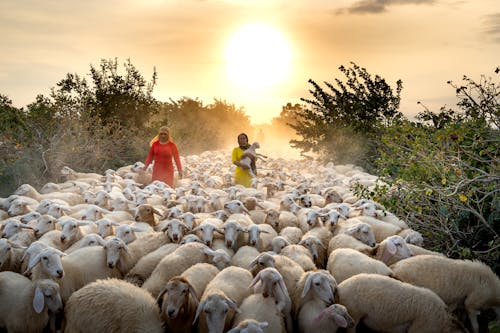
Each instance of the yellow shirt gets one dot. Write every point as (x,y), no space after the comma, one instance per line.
(241,176)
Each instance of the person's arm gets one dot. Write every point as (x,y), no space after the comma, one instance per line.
(149,159)
(236,160)
(177,159)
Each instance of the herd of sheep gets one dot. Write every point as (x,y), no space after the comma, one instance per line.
(296,252)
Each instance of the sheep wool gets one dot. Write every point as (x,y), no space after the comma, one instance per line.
(112,306)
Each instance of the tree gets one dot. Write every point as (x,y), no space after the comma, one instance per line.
(354,111)
(443,175)
(126,99)
(197,127)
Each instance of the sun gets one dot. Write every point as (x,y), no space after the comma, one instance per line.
(258,57)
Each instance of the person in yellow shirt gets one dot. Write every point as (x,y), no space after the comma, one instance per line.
(242,175)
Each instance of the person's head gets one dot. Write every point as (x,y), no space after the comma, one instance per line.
(164,133)
(242,139)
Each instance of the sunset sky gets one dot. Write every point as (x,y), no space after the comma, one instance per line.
(255,54)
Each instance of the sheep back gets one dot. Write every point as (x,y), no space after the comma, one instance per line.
(113,306)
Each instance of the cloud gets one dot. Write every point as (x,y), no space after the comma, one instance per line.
(379,6)
(491,25)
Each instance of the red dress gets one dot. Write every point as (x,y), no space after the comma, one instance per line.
(163,168)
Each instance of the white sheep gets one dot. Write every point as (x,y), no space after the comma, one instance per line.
(345,262)
(278,243)
(44,224)
(316,240)
(359,237)
(112,306)
(301,255)
(269,282)
(206,228)
(313,286)
(292,234)
(280,219)
(391,250)
(146,264)
(174,264)
(73,230)
(25,305)
(87,240)
(251,154)
(18,232)
(180,297)
(70,198)
(386,304)
(175,229)
(328,320)
(221,299)
(381,229)
(258,314)
(252,325)
(131,232)
(458,282)
(261,236)
(289,269)
(244,256)
(74,270)
(11,255)
(125,256)
(106,227)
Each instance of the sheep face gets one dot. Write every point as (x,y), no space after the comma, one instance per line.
(235,206)
(215,309)
(322,284)
(114,250)
(45,224)
(364,233)
(5,254)
(50,262)
(175,296)
(47,293)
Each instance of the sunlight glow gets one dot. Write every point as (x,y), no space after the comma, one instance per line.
(258,57)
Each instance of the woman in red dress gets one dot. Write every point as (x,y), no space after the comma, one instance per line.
(162,151)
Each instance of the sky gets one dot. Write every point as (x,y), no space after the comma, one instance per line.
(258,55)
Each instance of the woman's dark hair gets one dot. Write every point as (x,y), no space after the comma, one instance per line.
(246,136)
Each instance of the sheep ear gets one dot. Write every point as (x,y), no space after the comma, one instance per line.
(339,320)
(232,305)
(282,285)
(101,241)
(263,324)
(198,310)
(255,280)
(157,212)
(193,295)
(159,299)
(32,262)
(391,248)
(208,251)
(38,300)
(253,263)
(307,285)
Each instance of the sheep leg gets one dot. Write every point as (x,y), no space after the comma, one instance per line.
(473,319)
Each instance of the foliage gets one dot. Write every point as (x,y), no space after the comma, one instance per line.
(89,128)
(197,128)
(111,97)
(354,111)
(444,176)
